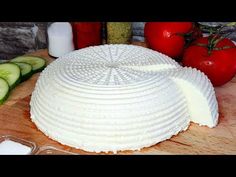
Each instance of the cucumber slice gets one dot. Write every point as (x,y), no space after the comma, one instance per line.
(4,90)
(37,63)
(25,69)
(11,73)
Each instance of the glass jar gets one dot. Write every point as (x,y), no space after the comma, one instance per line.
(87,34)
(119,32)
(60,38)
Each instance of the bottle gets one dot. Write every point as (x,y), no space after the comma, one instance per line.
(119,32)
(87,34)
(60,39)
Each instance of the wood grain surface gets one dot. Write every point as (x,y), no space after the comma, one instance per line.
(15,120)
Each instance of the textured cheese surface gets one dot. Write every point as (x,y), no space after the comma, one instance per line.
(119,97)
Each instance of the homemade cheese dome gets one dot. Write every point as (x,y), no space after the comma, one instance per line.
(119,97)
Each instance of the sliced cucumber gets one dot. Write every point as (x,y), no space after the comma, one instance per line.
(37,63)
(11,73)
(25,69)
(4,90)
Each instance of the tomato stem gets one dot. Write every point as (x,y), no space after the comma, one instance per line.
(215,37)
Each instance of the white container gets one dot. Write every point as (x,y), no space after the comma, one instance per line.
(10,145)
(60,39)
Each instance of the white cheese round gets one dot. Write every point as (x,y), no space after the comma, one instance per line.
(119,97)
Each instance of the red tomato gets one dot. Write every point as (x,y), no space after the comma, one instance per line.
(219,65)
(167,37)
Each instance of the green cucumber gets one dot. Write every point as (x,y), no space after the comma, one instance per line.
(11,73)
(37,63)
(25,69)
(4,90)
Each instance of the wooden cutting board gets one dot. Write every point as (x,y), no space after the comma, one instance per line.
(15,120)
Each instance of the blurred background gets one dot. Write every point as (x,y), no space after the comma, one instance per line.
(17,38)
